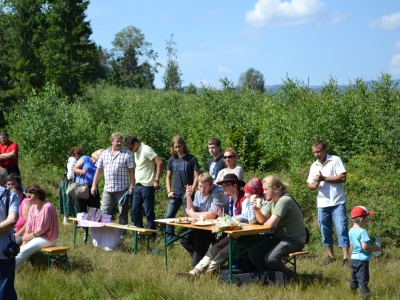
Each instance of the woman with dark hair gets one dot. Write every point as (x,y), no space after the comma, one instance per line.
(41,227)
(66,202)
(25,205)
(186,170)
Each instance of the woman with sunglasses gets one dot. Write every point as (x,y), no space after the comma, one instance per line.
(230,161)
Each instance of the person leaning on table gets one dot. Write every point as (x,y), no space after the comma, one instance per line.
(7,265)
(41,227)
(283,215)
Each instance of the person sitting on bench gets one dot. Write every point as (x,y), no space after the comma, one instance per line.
(41,227)
(284,216)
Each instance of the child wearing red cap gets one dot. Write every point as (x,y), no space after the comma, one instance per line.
(362,251)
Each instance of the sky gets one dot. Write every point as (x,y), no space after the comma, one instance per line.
(307,40)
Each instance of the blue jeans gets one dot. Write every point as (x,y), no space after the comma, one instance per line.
(339,216)
(7,278)
(173,206)
(143,195)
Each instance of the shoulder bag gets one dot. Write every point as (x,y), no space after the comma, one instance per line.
(79,190)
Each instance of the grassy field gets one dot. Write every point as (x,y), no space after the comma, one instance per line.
(97,274)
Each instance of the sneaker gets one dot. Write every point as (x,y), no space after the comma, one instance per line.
(327,261)
(345,263)
(65,221)
(364,292)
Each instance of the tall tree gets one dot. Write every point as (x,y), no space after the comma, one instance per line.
(67,53)
(253,79)
(172,77)
(132,54)
(19,24)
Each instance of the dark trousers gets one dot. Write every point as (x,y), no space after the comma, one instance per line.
(83,204)
(143,195)
(13,169)
(270,259)
(197,242)
(7,278)
(173,206)
(359,274)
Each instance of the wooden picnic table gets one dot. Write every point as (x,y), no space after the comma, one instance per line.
(247,229)
(136,230)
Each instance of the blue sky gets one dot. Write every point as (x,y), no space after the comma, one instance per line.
(310,40)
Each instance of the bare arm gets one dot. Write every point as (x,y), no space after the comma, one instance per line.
(272,221)
(96,181)
(9,155)
(261,216)
(159,169)
(168,184)
(331,179)
(368,248)
(196,178)
(9,223)
(78,168)
(132,179)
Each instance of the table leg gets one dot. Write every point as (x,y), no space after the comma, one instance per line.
(135,242)
(230,259)
(74,238)
(86,234)
(165,248)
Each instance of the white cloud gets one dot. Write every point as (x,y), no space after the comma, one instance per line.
(204,82)
(397,46)
(338,17)
(387,22)
(203,46)
(395,64)
(275,13)
(224,70)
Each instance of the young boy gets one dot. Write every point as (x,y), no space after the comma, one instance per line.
(362,250)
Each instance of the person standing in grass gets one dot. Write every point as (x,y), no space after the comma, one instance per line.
(362,251)
(186,171)
(117,163)
(327,175)
(7,222)
(148,171)
(216,162)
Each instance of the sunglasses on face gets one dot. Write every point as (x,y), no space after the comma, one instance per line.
(224,186)
(228,157)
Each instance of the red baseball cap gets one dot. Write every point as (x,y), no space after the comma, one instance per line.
(360,211)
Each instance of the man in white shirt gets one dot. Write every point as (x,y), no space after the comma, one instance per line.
(327,175)
(148,171)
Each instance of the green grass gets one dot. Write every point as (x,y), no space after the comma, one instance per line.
(97,274)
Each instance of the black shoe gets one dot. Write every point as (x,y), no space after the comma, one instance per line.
(345,263)
(327,261)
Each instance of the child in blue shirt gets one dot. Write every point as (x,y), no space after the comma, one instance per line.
(362,250)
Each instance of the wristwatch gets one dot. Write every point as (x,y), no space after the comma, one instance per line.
(156,180)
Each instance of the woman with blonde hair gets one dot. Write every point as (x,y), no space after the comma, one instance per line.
(284,216)
(230,157)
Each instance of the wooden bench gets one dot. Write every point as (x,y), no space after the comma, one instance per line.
(56,254)
(291,259)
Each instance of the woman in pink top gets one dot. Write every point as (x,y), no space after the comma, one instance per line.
(25,205)
(41,227)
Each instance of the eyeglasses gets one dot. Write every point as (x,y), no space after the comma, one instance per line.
(226,185)
(229,156)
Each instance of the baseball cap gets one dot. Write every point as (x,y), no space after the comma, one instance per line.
(360,211)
